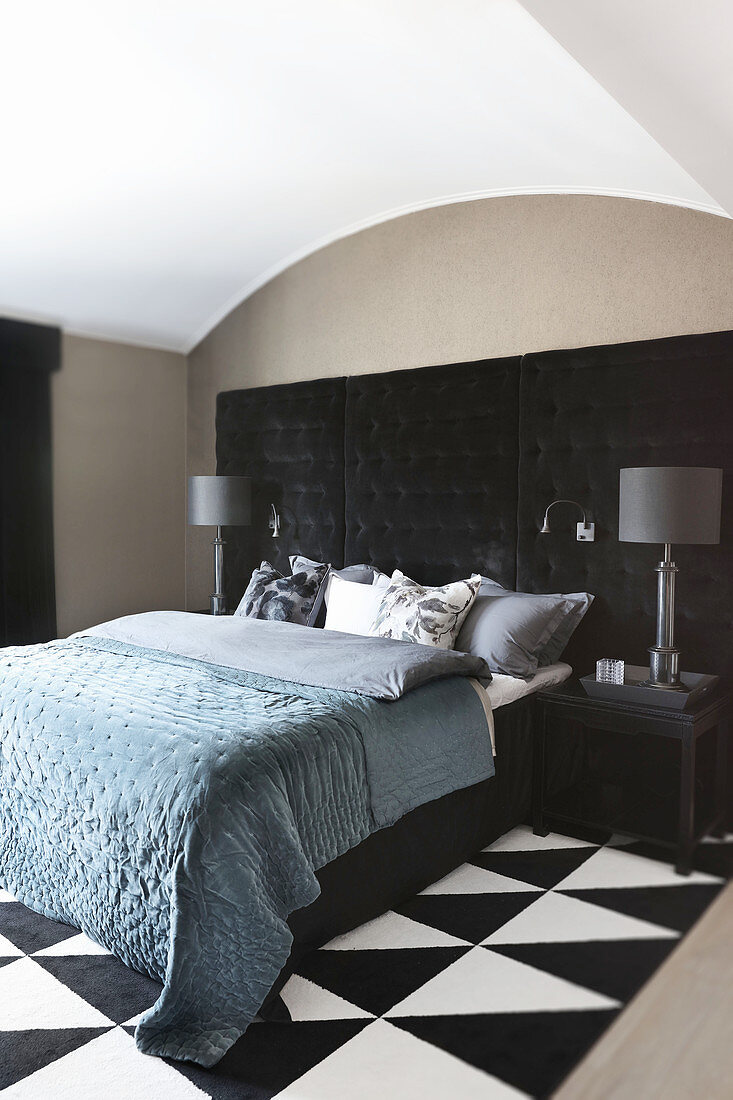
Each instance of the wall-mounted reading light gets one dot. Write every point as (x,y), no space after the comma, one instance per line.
(274,523)
(586,532)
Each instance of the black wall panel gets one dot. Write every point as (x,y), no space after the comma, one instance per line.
(589,412)
(290,441)
(431,470)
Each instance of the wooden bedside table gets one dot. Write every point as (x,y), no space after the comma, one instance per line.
(581,804)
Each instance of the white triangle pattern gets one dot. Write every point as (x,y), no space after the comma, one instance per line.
(613,868)
(522,839)
(385,1062)
(110,1066)
(477,880)
(481,982)
(8,949)
(32,998)
(308,1001)
(554,918)
(74,945)
(390,932)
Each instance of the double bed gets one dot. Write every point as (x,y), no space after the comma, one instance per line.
(207,798)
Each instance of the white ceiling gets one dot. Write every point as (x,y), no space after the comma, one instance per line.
(669,63)
(164,158)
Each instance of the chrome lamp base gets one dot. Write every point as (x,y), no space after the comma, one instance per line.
(664,661)
(664,669)
(217,600)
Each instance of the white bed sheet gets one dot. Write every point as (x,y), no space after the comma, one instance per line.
(507,689)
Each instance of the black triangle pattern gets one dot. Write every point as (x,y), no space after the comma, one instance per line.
(29,931)
(470,917)
(535,867)
(616,968)
(104,982)
(674,907)
(24,1052)
(530,1050)
(377,980)
(267,1058)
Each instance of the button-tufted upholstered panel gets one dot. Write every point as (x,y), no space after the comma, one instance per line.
(290,441)
(587,413)
(431,470)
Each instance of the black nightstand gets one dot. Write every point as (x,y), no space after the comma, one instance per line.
(636,813)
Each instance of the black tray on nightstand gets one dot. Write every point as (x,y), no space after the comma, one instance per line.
(632,690)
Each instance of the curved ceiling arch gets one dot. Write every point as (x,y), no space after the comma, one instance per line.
(169,158)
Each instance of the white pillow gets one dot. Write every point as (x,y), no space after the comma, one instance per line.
(410,612)
(352,607)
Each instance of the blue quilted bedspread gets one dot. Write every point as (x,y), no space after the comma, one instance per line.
(176,810)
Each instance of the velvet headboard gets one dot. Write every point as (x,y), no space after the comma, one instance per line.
(586,414)
(290,441)
(431,470)
(442,470)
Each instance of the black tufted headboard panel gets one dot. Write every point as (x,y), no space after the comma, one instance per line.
(446,469)
(585,414)
(290,441)
(431,470)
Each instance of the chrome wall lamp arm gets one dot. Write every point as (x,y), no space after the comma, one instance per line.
(586,531)
(274,523)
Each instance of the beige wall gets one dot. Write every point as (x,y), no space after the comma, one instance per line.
(119,481)
(460,282)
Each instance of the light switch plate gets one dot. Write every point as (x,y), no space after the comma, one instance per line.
(586,532)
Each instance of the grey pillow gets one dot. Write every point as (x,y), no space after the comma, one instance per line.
(357,574)
(554,649)
(516,632)
(270,595)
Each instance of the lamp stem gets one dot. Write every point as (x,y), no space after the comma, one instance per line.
(664,664)
(218,600)
(665,600)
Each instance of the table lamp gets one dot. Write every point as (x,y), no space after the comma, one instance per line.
(668,504)
(216,502)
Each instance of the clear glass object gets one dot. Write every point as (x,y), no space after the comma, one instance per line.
(609,671)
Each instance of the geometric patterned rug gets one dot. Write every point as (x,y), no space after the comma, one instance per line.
(492,983)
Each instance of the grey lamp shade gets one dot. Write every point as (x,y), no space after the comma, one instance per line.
(670,504)
(219,501)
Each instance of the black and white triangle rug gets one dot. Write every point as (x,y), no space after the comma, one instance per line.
(492,983)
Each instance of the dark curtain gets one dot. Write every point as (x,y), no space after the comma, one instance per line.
(28,354)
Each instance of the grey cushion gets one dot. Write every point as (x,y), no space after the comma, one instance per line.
(270,595)
(516,632)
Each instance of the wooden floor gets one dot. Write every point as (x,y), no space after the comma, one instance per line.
(675,1039)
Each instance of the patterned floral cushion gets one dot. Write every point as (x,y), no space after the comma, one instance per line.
(431,616)
(270,595)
